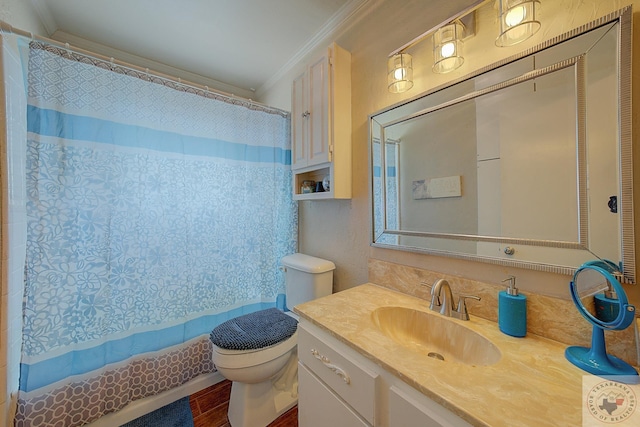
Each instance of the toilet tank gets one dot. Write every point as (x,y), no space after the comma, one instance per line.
(306,278)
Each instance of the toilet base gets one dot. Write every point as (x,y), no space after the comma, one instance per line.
(257,405)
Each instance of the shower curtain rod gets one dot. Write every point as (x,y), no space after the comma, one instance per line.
(5,27)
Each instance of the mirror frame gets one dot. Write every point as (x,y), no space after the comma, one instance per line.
(623,18)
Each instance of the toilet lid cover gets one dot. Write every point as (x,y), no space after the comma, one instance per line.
(256,330)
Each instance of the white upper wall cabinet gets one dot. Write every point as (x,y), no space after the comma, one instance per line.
(321,126)
(310,131)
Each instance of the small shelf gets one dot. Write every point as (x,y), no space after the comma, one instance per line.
(315,175)
(314,196)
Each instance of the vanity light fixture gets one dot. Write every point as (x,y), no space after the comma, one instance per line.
(518,21)
(449,53)
(447,47)
(399,73)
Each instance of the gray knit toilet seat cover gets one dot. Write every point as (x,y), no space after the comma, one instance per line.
(255,330)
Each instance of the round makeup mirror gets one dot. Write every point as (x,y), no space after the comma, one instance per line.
(601,300)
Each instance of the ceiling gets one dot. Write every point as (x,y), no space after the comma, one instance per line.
(238,46)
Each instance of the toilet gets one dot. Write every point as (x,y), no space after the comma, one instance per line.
(258,352)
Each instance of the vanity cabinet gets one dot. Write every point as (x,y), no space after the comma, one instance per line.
(337,386)
(321,125)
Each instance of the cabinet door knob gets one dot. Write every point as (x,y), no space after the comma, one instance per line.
(306,114)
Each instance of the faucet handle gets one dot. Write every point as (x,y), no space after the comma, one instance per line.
(435,299)
(461,310)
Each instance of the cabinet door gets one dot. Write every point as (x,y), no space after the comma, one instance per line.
(345,375)
(319,109)
(299,119)
(407,411)
(319,407)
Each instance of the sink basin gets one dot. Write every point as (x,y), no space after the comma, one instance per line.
(435,336)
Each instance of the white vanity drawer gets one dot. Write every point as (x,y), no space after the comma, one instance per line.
(409,408)
(355,384)
(319,407)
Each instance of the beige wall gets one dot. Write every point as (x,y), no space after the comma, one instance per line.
(22,15)
(339,230)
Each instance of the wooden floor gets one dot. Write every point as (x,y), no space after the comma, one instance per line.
(209,408)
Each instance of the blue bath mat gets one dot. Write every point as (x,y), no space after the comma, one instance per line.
(176,414)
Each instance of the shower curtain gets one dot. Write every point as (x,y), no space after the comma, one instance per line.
(155,211)
(386,214)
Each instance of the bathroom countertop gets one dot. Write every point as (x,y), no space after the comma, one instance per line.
(532,384)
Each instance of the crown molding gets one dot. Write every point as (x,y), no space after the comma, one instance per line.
(342,19)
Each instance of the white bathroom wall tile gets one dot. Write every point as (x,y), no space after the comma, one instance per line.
(3,263)
(13,160)
(12,379)
(16,152)
(15,104)
(16,257)
(15,237)
(13,367)
(3,361)
(13,360)
(14,313)
(17,292)
(15,263)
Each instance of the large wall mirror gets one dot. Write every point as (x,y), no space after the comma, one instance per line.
(525,163)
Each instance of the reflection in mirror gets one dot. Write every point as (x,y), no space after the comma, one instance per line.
(590,286)
(524,163)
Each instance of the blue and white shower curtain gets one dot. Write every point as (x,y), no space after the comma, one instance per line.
(386,212)
(155,212)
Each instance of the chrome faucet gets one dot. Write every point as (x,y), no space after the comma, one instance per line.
(442,301)
(443,305)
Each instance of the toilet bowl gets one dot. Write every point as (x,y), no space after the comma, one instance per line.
(254,366)
(258,351)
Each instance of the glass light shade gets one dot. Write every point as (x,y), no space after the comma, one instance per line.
(517,21)
(399,73)
(447,48)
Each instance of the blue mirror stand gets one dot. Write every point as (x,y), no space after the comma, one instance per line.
(595,360)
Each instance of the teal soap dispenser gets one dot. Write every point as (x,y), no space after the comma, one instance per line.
(607,305)
(512,310)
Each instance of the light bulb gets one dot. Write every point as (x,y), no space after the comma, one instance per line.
(447,49)
(515,16)
(399,73)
